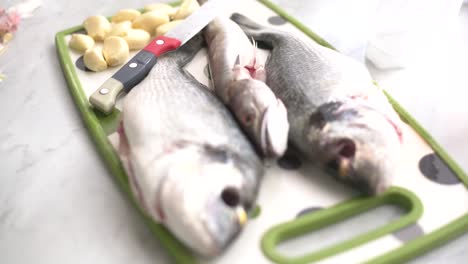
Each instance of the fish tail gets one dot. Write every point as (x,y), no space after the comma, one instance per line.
(252,29)
(246,22)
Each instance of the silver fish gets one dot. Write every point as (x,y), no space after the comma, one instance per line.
(338,117)
(190,166)
(239,80)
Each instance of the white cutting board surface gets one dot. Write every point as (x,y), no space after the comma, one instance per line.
(292,186)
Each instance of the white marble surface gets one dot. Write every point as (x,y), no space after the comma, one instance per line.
(59,204)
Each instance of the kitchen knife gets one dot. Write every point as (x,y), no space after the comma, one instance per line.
(138,67)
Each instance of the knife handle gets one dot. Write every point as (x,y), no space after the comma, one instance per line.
(131,73)
(162,44)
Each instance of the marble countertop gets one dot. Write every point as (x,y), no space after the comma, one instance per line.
(58,203)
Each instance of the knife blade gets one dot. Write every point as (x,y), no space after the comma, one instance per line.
(139,66)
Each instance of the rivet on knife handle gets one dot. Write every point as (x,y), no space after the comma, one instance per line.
(138,67)
(131,73)
(104,98)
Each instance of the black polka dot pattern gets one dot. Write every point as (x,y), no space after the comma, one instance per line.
(409,233)
(276,20)
(289,161)
(79,63)
(206,71)
(308,211)
(434,169)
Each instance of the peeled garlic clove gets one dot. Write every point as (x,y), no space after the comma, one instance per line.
(115,50)
(137,39)
(97,27)
(125,15)
(7,37)
(94,60)
(81,42)
(149,21)
(120,29)
(164,28)
(186,9)
(161,7)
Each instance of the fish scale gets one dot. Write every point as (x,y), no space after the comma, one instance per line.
(240,83)
(169,90)
(192,168)
(358,141)
(314,90)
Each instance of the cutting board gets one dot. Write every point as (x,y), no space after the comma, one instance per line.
(303,215)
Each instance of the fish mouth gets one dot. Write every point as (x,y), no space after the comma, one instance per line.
(220,243)
(230,216)
(274,129)
(341,165)
(341,154)
(343,171)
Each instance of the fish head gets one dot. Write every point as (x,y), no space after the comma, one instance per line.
(205,197)
(359,146)
(262,116)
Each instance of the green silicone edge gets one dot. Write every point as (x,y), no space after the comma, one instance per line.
(441,235)
(411,121)
(308,223)
(179,253)
(275,8)
(109,122)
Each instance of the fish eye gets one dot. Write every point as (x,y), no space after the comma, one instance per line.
(230,196)
(317,119)
(248,118)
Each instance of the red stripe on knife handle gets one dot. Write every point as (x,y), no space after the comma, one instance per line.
(162,44)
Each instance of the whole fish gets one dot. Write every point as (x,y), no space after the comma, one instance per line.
(190,166)
(338,117)
(239,80)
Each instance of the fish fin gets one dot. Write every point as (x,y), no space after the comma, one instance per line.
(246,22)
(252,64)
(253,29)
(254,58)
(256,70)
(237,62)
(240,72)
(260,73)
(123,150)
